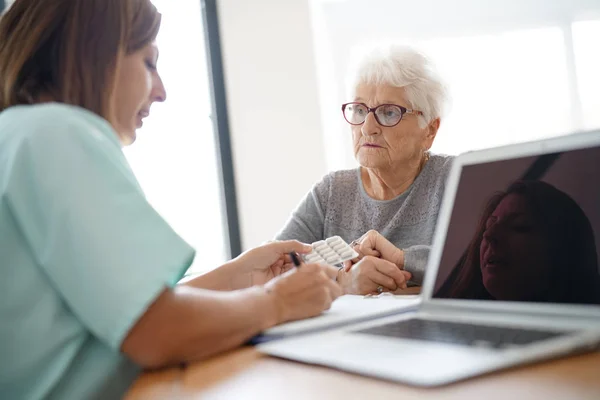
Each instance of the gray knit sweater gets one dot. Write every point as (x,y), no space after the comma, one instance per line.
(339,205)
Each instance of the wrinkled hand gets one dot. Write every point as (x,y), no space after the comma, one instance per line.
(261,264)
(375,244)
(304,292)
(370,273)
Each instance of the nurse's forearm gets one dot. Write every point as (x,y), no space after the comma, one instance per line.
(217,279)
(187,324)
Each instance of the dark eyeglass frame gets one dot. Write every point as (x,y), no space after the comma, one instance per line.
(403,110)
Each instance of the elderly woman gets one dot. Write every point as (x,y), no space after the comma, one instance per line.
(394,115)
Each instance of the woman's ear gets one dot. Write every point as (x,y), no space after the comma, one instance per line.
(432,128)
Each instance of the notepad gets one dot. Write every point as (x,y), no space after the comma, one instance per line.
(345,310)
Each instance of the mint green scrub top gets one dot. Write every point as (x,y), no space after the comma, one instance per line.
(82,255)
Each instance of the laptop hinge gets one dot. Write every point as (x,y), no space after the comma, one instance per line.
(479,309)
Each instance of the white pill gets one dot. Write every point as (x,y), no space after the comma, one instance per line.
(328,254)
(339,246)
(347,255)
(333,259)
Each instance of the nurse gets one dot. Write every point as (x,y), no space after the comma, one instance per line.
(89,270)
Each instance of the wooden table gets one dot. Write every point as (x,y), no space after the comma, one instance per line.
(247,374)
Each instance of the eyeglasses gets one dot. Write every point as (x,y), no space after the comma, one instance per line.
(385,114)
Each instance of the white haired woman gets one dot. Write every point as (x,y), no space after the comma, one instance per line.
(391,202)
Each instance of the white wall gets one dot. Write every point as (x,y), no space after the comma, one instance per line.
(272,96)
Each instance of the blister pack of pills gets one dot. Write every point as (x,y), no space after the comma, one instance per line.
(332,251)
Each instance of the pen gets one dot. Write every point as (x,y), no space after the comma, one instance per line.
(295,258)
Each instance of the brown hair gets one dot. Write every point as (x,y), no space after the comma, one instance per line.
(70,50)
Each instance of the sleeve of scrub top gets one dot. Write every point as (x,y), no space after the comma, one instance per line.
(99,242)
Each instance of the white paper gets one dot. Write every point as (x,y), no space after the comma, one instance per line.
(347,309)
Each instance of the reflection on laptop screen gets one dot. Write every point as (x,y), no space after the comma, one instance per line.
(525,229)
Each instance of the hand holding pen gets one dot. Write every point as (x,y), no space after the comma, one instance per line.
(305,290)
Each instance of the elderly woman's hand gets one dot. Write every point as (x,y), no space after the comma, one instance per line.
(261,264)
(372,275)
(374,244)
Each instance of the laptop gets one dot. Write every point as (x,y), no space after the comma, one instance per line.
(512,276)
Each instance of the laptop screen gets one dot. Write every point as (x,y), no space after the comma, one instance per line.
(525,229)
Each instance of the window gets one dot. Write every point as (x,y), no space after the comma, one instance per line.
(174,156)
(505,87)
(587,62)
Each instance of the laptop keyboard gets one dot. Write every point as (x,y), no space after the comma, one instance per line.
(461,333)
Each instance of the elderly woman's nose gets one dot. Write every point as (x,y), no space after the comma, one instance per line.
(370,126)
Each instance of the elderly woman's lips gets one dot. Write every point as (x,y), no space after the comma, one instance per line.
(371,145)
